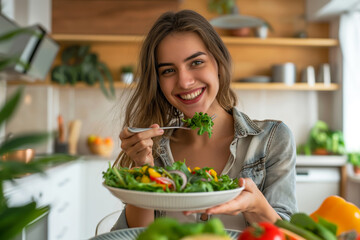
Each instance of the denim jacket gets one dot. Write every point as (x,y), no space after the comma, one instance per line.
(264,151)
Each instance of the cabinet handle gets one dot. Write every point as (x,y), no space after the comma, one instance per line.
(63,207)
(62,233)
(64,182)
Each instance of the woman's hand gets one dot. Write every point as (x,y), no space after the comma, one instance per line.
(138,146)
(251,202)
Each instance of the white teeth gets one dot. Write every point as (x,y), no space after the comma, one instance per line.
(191,96)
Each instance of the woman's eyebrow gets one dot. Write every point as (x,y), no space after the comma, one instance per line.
(194,56)
(186,59)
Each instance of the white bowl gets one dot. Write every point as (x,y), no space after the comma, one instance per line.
(174,201)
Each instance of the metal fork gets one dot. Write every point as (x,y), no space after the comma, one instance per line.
(137,130)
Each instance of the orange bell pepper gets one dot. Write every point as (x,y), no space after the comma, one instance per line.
(340,212)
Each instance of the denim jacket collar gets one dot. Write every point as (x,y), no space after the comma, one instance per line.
(244,125)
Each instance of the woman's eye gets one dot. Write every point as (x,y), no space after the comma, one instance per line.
(167,71)
(197,62)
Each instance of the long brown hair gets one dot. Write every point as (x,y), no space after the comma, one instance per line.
(148,105)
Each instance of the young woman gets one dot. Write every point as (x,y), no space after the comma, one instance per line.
(184,67)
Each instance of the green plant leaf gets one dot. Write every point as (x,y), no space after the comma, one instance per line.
(10,105)
(14,219)
(64,74)
(109,77)
(102,85)
(83,51)
(9,169)
(24,140)
(69,54)
(91,58)
(11,34)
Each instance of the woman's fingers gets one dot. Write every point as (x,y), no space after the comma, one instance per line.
(138,146)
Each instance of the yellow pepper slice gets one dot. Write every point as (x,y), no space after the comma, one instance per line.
(340,212)
(153,173)
(143,169)
(145,179)
(214,174)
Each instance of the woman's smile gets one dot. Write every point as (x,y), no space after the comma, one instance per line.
(191,97)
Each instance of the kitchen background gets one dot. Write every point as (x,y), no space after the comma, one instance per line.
(114,30)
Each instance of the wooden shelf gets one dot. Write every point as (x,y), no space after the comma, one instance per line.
(294,42)
(282,86)
(301,42)
(235,86)
(97,38)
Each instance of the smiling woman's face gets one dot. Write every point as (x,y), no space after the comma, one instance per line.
(188,73)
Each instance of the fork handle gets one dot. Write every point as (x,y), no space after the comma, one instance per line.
(137,130)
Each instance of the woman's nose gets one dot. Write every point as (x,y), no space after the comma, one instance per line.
(186,79)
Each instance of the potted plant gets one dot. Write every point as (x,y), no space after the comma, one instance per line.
(127,74)
(354,160)
(78,64)
(323,141)
(222,6)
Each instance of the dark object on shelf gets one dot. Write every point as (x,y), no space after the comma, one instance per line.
(285,73)
(255,79)
(61,147)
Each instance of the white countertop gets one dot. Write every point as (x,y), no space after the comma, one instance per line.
(321,161)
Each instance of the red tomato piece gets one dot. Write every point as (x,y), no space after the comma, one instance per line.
(262,231)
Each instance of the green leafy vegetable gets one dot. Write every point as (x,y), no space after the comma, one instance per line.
(202,121)
(303,225)
(158,179)
(171,229)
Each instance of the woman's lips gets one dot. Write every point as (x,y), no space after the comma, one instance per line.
(191,97)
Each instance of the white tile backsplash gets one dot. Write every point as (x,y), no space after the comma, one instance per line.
(34,113)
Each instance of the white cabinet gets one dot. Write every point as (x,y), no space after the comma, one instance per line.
(74,191)
(64,217)
(59,188)
(97,201)
(317,177)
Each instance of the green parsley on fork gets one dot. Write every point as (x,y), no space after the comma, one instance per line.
(200,120)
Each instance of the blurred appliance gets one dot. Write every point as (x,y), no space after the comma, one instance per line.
(32,47)
(285,73)
(308,75)
(314,184)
